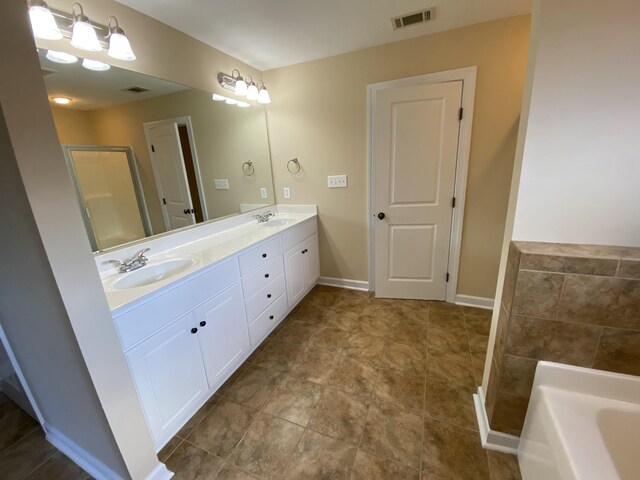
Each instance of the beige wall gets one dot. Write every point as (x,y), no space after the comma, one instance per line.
(319,114)
(73,126)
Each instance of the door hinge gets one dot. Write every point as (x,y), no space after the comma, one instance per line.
(153,149)
(460,112)
(164,201)
(453,202)
(447,276)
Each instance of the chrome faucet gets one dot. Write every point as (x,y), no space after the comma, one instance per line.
(134,262)
(264,217)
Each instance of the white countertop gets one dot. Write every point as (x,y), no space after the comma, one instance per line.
(205,245)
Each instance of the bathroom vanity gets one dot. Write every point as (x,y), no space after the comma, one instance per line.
(207,298)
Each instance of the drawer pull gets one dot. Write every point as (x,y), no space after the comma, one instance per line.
(203,323)
(268,295)
(270,317)
(264,255)
(194,330)
(266,275)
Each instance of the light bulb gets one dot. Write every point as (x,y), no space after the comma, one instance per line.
(84,36)
(61,57)
(95,65)
(119,47)
(42,22)
(218,98)
(241,87)
(252,91)
(263,96)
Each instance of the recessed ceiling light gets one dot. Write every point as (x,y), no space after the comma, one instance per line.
(95,65)
(61,100)
(218,98)
(61,57)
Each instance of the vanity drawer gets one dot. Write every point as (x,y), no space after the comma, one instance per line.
(159,311)
(259,256)
(264,297)
(267,320)
(297,234)
(261,277)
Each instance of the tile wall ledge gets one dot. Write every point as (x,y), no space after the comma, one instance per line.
(578,250)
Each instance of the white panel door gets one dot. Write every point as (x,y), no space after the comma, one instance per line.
(415,143)
(169,374)
(223,334)
(171,176)
(294,273)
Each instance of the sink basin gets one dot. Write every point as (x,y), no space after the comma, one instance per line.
(277,222)
(581,424)
(153,272)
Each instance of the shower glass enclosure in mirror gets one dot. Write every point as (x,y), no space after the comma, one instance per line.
(148,156)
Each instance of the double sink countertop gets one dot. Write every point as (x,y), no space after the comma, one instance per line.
(176,256)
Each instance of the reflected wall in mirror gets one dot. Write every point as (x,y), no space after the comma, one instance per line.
(188,154)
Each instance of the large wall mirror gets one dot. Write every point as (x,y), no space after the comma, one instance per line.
(148,156)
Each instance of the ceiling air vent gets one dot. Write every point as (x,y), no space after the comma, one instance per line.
(413,18)
(136,89)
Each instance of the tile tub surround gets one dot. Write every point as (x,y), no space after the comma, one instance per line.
(573,304)
(351,387)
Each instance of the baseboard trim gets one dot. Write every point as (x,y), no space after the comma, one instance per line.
(344,283)
(478,302)
(91,464)
(490,439)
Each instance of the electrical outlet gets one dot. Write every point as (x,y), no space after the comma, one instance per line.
(337,181)
(263,192)
(221,184)
(287,192)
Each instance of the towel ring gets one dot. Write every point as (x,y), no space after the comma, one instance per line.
(295,170)
(248,169)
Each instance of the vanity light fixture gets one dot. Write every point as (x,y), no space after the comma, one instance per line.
(119,46)
(61,57)
(42,22)
(95,65)
(263,95)
(83,34)
(61,100)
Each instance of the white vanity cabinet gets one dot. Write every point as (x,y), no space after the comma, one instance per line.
(301,261)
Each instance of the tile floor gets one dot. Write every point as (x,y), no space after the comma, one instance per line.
(24,452)
(350,386)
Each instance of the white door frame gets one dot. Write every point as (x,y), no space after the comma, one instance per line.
(468,77)
(185,120)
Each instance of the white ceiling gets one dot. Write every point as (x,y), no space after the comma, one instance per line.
(273,33)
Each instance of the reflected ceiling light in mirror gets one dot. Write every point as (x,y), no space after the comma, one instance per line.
(252,90)
(61,100)
(243,104)
(231,82)
(83,35)
(218,98)
(61,57)
(95,65)
(231,101)
(119,46)
(263,95)
(241,85)
(42,22)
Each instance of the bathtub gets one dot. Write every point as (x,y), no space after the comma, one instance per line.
(581,424)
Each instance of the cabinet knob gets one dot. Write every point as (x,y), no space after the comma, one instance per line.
(194,330)
(270,317)
(268,295)
(264,255)
(203,323)
(266,275)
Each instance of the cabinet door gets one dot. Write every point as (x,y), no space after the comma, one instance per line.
(311,262)
(223,334)
(294,274)
(169,374)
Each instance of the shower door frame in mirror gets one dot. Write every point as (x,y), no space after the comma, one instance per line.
(135,180)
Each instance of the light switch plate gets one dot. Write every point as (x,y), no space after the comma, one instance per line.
(263,192)
(287,192)
(337,181)
(221,183)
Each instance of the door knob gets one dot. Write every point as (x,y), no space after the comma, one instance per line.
(186,211)
(381,215)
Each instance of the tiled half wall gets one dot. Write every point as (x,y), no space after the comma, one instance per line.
(574,304)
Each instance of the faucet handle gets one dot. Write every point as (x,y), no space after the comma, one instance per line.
(141,253)
(120,263)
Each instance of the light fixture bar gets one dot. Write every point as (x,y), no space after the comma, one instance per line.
(227,81)
(64,21)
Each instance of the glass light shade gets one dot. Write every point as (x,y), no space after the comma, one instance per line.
(243,104)
(61,57)
(43,24)
(263,96)
(120,48)
(252,92)
(241,87)
(218,98)
(84,37)
(230,101)
(95,65)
